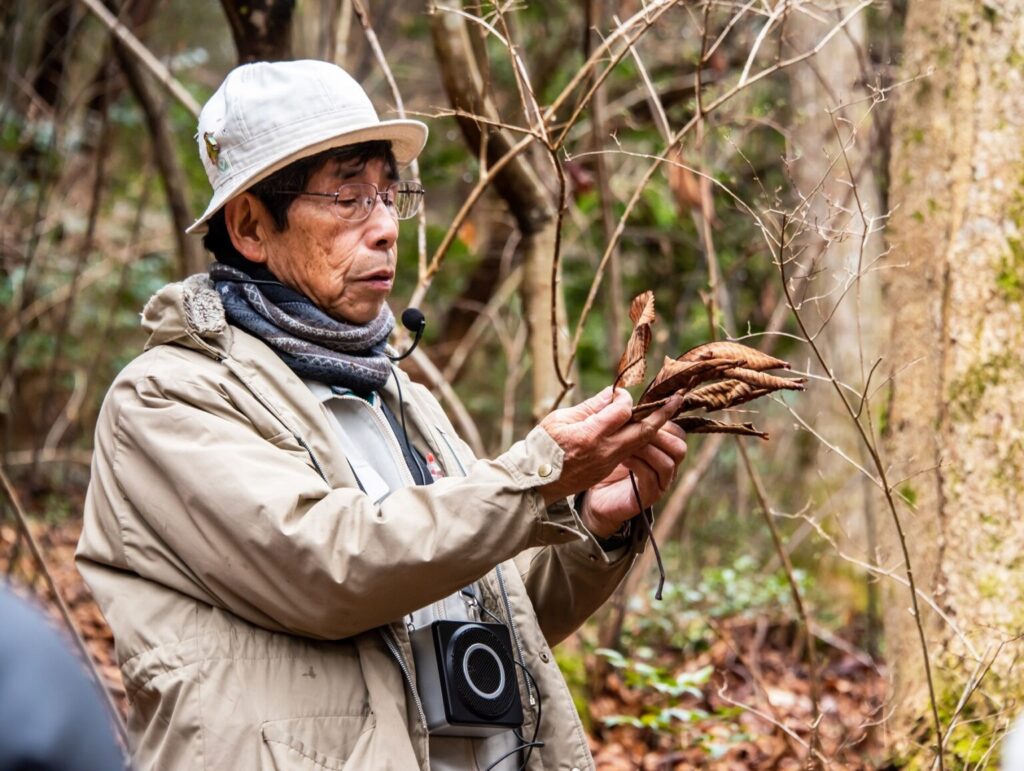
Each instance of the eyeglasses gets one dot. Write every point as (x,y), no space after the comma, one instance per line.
(354,201)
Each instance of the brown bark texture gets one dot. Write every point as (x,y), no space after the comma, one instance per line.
(262,29)
(956,419)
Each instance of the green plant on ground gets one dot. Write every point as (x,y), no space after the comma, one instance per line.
(682,619)
(660,691)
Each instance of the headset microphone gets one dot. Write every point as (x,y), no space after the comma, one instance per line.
(413,320)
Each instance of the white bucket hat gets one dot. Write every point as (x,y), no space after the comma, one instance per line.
(267,114)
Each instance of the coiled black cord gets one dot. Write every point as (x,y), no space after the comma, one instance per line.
(525,745)
(648,525)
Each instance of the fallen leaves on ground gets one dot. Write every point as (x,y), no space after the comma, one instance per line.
(57,543)
(757,704)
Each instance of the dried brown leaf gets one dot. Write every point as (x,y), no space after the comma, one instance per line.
(751,358)
(641,310)
(743,393)
(762,380)
(678,375)
(715,396)
(633,364)
(632,367)
(712,377)
(692,424)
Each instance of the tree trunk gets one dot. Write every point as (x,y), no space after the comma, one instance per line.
(53,55)
(833,141)
(262,29)
(956,414)
(830,102)
(191,256)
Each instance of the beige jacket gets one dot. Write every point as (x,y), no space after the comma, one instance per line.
(252,588)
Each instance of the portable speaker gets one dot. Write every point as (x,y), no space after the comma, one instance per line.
(466,678)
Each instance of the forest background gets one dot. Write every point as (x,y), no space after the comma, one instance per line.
(836,182)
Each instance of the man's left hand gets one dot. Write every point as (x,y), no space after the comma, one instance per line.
(612,500)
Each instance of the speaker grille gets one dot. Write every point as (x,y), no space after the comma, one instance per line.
(482,671)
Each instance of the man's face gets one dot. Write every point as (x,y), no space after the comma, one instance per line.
(345,268)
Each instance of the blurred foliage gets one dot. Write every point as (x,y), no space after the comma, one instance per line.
(642,676)
(688,608)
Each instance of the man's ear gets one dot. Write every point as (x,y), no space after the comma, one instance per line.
(248,223)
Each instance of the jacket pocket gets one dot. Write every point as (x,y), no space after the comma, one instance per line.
(316,743)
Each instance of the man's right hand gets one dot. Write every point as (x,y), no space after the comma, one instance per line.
(596,436)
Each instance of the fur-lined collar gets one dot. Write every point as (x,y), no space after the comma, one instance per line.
(185,312)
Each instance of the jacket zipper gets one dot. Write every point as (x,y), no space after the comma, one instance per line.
(312,457)
(515,633)
(501,584)
(451,450)
(392,642)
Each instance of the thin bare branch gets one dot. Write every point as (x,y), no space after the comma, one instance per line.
(159,71)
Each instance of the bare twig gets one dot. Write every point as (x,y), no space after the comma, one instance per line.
(676,139)
(794,588)
(981,670)
(191,257)
(414,167)
(887,491)
(770,719)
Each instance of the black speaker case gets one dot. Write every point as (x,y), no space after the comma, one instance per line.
(445,716)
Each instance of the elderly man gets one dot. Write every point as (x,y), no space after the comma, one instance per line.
(303,565)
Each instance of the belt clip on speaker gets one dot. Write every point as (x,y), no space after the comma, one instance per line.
(466,678)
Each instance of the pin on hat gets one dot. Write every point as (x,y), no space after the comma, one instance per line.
(266,115)
(212,148)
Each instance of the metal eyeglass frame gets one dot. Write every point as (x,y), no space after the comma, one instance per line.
(387,197)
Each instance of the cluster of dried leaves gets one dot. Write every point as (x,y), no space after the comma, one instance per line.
(710,377)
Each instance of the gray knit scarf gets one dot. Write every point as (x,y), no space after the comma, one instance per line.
(309,341)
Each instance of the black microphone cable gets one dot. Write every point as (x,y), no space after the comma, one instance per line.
(644,513)
(413,320)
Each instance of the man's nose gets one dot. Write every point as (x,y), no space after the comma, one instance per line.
(383,226)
